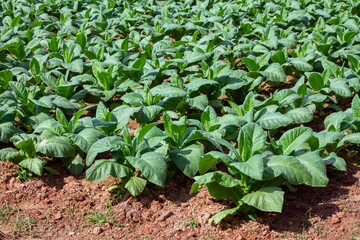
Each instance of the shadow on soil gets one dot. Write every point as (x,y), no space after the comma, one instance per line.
(176,190)
(57,181)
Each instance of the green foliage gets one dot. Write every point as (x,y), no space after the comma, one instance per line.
(143,90)
(102,217)
(190,223)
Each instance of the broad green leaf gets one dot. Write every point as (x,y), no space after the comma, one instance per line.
(15,21)
(21,91)
(300,115)
(205,120)
(56,147)
(199,102)
(218,217)
(331,67)
(66,90)
(74,164)
(77,116)
(236,108)
(301,65)
(103,167)
(220,185)
(6,76)
(293,138)
(144,130)
(34,67)
(35,165)
(81,39)
(353,62)
(148,113)
(355,106)
(254,167)
(177,132)
(316,167)
(268,199)
(123,115)
(44,102)
(199,135)
(316,81)
(103,78)
(250,64)
(50,125)
(152,165)
(222,178)
(193,57)
(103,145)
(102,113)
(272,120)
(133,98)
(249,102)
(196,83)
(229,146)
(251,141)
(289,167)
(341,88)
(135,185)
(60,116)
(278,57)
(25,142)
(212,115)
(338,162)
(326,138)
(167,91)
(187,159)
(352,24)
(124,45)
(18,50)
(210,160)
(352,138)
(62,102)
(10,154)
(139,64)
(336,120)
(275,73)
(7,130)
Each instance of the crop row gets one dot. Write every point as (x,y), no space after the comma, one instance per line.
(206,83)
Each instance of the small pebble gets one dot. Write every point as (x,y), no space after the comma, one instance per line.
(97,230)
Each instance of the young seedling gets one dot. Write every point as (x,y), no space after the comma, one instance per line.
(190,223)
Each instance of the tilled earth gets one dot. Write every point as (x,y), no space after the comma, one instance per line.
(69,207)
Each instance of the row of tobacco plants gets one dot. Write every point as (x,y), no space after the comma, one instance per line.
(231,83)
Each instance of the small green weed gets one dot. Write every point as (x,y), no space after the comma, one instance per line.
(24,174)
(102,217)
(284,234)
(23,223)
(190,222)
(99,218)
(355,234)
(5,210)
(354,237)
(71,209)
(319,229)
